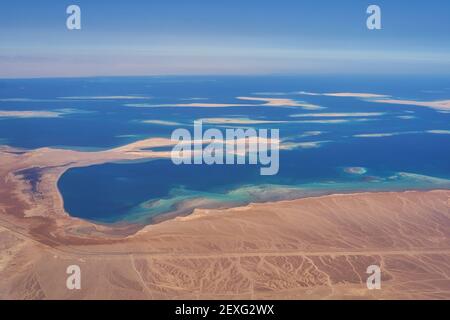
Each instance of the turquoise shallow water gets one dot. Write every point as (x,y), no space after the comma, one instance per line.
(406,152)
(136,192)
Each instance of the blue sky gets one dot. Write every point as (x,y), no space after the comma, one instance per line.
(153,37)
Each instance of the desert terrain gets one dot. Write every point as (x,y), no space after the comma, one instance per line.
(313,248)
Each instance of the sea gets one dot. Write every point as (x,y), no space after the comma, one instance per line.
(338,143)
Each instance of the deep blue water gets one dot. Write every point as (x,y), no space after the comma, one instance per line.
(115,192)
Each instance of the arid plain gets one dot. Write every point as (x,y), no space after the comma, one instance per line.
(313,248)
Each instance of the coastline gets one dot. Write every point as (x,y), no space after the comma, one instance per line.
(192,213)
(295,249)
(165,208)
(53,163)
(314,247)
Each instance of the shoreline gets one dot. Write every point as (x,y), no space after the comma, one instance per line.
(313,247)
(292,249)
(163,217)
(186,207)
(138,151)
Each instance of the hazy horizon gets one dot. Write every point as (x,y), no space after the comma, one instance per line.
(232,38)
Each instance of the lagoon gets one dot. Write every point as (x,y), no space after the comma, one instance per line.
(330,143)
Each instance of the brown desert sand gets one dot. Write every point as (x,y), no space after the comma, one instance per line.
(312,248)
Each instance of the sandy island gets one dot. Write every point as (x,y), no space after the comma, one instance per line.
(301,249)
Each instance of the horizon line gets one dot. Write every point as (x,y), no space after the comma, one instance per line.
(231,75)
